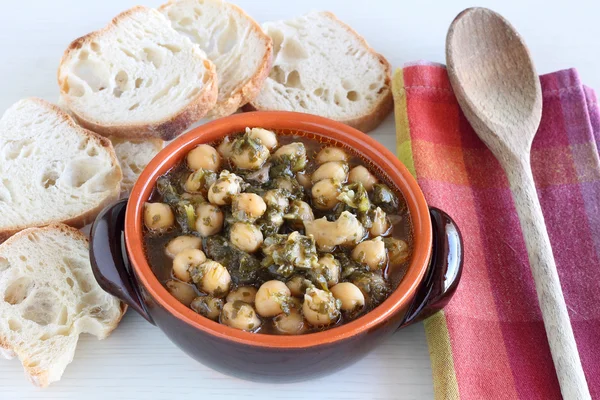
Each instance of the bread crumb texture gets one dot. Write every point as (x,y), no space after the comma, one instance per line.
(48,297)
(52,170)
(137,74)
(321,66)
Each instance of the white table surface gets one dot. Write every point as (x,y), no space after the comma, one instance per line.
(138,361)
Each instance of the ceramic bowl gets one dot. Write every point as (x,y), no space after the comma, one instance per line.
(121,268)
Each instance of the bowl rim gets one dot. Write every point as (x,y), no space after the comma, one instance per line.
(282,120)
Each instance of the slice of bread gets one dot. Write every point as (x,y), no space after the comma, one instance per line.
(137,78)
(51,169)
(232,40)
(48,297)
(133,157)
(322,66)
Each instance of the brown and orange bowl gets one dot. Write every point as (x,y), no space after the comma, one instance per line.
(121,268)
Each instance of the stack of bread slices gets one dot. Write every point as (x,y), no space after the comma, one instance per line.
(124,90)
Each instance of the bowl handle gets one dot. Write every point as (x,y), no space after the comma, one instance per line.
(444,271)
(109,259)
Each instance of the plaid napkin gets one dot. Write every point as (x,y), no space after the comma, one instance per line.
(490,341)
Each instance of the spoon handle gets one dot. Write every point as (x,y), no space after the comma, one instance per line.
(552,302)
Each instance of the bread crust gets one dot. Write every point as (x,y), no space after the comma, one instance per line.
(35,376)
(87,217)
(376,114)
(165,129)
(248,90)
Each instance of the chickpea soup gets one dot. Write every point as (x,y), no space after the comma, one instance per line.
(276,233)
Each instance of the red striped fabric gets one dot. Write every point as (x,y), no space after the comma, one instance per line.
(495,331)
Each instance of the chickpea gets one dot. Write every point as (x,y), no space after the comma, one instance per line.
(199,181)
(325,194)
(290,324)
(192,185)
(292,149)
(331,170)
(213,278)
(348,225)
(296,152)
(269,297)
(284,183)
(158,216)
(181,291)
(320,308)
(240,315)
(180,243)
(249,154)
(346,230)
(224,188)
(398,250)
(276,198)
(266,137)
(276,220)
(246,236)
(248,206)
(371,253)
(381,225)
(297,285)
(299,212)
(225,148)
(204,156)
(184,260)
(304,180)
(350,296)
(372,285)
(328,154)
(330,268)
(209,219)
(305,212)
(362,175)
(247,294)
(207,306)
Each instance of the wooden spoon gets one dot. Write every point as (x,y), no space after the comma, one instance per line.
(498,89)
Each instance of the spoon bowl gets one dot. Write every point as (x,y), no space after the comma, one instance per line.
(499,86)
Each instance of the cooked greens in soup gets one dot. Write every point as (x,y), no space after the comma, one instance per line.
(276,233)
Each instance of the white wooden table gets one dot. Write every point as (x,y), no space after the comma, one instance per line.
(138,361)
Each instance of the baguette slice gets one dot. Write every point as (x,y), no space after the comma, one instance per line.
(51,169)
(48,296)
(322,66)
(133,157)
(137,78)
(233,41)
